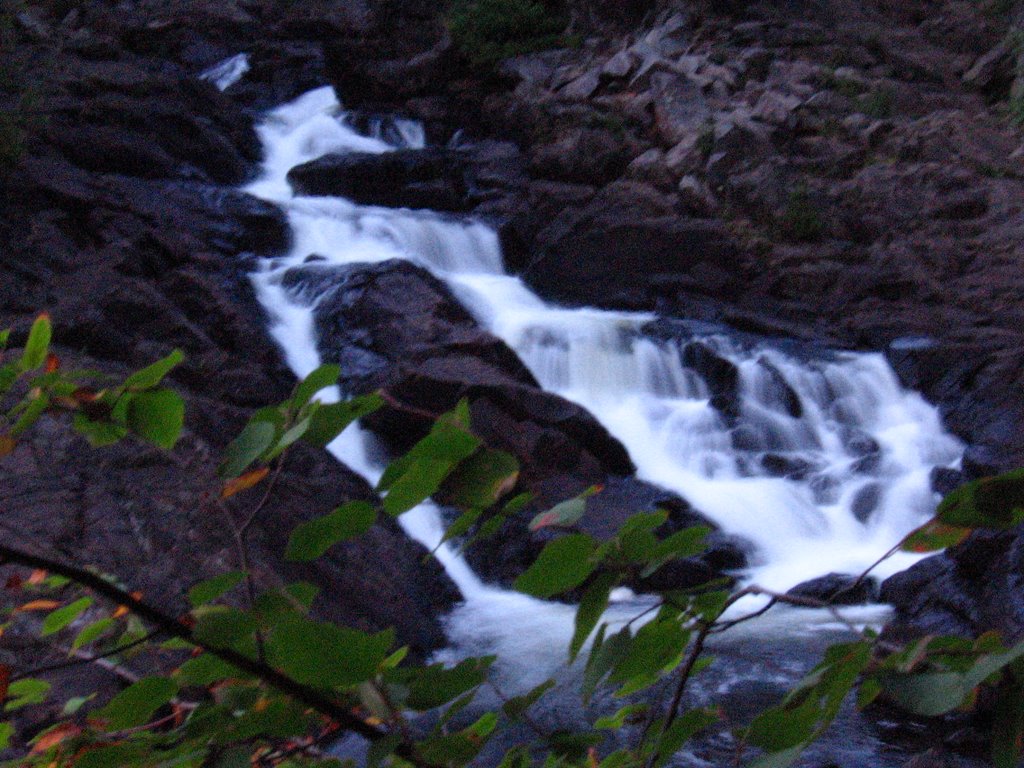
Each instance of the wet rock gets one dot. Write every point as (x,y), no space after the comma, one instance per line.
(393,325)
(680,109)
(405,178)
(720,375)
(504,556)
(837,589)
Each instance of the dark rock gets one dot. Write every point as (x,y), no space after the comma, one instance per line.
(780,465)
(612,255)
(395,326)
(405,178)
(504,556)
(945,480)
(837,589)
(865,501)
(720,375)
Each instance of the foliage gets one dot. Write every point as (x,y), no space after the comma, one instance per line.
(268,685)
(488,31)
(801,219)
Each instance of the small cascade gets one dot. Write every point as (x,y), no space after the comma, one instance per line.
(821,464)
(226,73)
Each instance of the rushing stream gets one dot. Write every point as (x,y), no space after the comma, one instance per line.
(826,464)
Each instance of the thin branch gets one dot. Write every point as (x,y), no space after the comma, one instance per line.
(85,658)
(311,697)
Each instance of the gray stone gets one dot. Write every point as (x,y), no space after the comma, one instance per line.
(582,88)
(776,108)
(618,66)
(680,109)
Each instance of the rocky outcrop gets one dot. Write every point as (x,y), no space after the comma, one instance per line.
(969,589)
(847,175)
(121,219)
(394,326)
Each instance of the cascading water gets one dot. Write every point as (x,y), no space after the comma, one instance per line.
(822,464)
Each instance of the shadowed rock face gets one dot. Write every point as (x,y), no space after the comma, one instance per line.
(394,326)
(121,220)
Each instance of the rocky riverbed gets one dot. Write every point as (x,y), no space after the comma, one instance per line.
(840,173)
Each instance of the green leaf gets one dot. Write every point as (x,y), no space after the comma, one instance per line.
(562,515)
(782,759)
(206,670)
(210,589)
(325,655)
(237,757)
(136,704)
(93,632)
(418,474)
(38,344)
(461,524)
(254,439)
(930,695)
(5,336)
(35,408)
(991,502)
(21,693)
(433,686)
(682,730)
(658,646)
(563,564)
(223,627)
(604,655)
(482,479)
(325,376)
(152,375)
(592,606)
(330,420)
(119,755)
(627,713)
(516,707)
(933,536)
(75,703)
(98,433)
(6,729)
(312,539)
(157,416)
(61,617)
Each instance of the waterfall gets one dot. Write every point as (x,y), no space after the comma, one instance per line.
(822,464)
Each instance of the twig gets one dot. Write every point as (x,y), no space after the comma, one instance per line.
(311,697)
(85,658)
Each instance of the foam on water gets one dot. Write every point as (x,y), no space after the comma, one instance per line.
(822,466)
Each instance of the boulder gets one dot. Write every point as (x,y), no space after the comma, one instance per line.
(405,178)
(503,556)
(626,246)
(837,589)
(394,326)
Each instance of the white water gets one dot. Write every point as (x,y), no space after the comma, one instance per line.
(226,73)
(636,385)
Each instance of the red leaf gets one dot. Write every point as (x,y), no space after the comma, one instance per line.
(5,680)
(55,737)
(243,482)
(7,444)
(52,363)
(39,605)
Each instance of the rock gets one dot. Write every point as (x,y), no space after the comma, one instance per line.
(621,255)
(690,153)
(680,109)
(721,376)
(582,88)
(837,589)
(696,198)
(394,326)
(582,156)
(619,66)
(405,178)
(650,167)
(505,555)
(776,108)
(992,70)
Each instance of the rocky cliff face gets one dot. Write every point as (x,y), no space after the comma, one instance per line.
(844,172)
